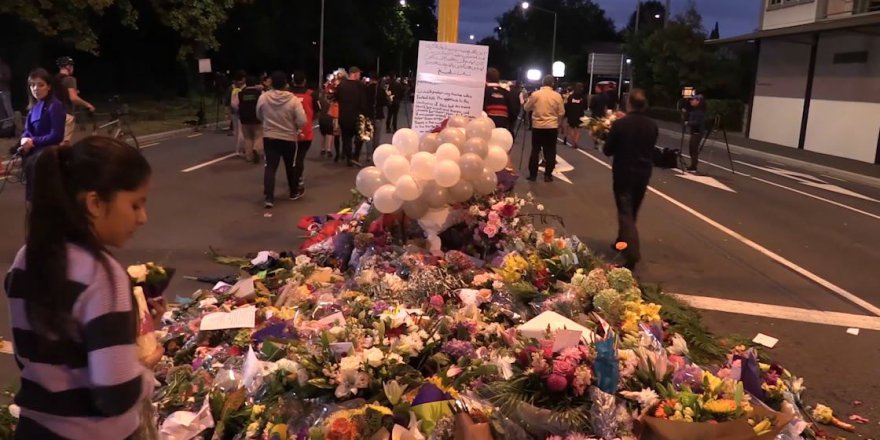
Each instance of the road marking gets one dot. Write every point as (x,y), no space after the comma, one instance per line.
(761,249)
(705,180)
(208,163)
(150,145)
(194,135)
(834,178)
(806,179)
(781,312)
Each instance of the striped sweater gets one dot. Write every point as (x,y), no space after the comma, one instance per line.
(87,385)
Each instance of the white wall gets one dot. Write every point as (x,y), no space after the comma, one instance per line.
(844,129)
(777,120)
(789,16)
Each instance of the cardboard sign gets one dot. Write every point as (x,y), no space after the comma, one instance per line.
(451,80)
(244,317)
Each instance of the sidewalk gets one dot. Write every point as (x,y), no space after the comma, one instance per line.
(867,171)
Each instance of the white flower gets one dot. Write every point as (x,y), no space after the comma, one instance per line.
(503,364)
(374,357)
(138,273)
(679,346)
(302,376)
(287,365)
(497,285)
(647,397)
(394,391)
(540,207)
(14,410)
(336,330)
(302,260)
(350,363)
(394,358)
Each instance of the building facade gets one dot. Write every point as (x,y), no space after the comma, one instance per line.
(817,85)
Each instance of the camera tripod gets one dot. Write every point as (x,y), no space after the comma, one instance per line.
(520,122)
(716,127)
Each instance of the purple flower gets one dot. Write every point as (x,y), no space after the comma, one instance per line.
(556,383)
(457,348)
(690,375)
(379,307)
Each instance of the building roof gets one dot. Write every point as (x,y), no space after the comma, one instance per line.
(830,24)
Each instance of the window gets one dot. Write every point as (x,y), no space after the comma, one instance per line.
(860,57)
(864,6)
(779,4)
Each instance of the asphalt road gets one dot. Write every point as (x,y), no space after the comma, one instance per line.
(778,238)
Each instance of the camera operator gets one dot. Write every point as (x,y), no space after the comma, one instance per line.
(696,124)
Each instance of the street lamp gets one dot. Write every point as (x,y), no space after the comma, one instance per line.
(471,37)
(402,2)
(525,6)
(533,74)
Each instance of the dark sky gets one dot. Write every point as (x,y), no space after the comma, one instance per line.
(734,17)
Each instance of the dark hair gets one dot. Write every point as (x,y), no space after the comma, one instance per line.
(251,81)
(279,80)
(549,80)
(353,69)
(56,89)
(299,77)
(579,88)
(493,75)
(59,216)
(637,100)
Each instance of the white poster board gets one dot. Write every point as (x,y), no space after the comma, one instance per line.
(451,80)
(204,65)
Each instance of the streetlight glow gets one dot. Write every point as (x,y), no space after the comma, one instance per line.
(629,60)
(533,74)
(657,16)
(471,37)
(402,2)
(525,5)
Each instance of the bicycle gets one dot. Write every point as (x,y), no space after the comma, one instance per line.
(118,126)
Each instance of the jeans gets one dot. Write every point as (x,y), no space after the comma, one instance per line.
(696,139)
(629,191)
(543,139)
(276,150)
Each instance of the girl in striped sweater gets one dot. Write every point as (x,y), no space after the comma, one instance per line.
(73,318)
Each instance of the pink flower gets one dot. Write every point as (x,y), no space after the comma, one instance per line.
(563,368)
(677,361)
(494,218)
(556,383)
(571,354)
(437,302)
(490,230)
(509,211)
(547,348)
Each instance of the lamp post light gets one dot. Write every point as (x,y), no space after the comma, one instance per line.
(525,6)
(533,74)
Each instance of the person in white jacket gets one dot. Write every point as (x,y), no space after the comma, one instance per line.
(282,116)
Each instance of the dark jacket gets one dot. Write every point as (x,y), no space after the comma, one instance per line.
(499,106)
(598,105)
(631,142)
(697,118)
(397,92)
(247,104)
(352,98)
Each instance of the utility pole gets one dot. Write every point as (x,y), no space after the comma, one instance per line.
(321,50)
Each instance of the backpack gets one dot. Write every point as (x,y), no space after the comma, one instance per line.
(247,105)
(307,132)
(665,157)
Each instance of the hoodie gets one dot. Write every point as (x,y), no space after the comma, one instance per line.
(282,115)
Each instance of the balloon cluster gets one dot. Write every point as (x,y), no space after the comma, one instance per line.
(428,173)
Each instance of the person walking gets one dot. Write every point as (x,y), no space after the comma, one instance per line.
(45,123)
(325,125)
(696,124)
(575,107)
(498,102)
(68,81)
(283,116)
(238,83)
(351,96)
(396,96)
(547,109)
(309,100)
(250,126)
(70,302)
(631,143)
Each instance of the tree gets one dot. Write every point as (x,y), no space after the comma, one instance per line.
(716,34)
(523,38)
(652,15)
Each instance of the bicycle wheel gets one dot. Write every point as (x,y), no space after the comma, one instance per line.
(128,137)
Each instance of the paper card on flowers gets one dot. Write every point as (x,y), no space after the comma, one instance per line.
(335,319)
(263,257)
(563,339)
(767,341)
(220,287)
(244,317)
(184,425)
(538,326)
(341,348)
(244,288)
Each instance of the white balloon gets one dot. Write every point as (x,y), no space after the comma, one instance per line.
(448,152)
(383,152)
(407,141)
(457,121)
(422,165)
(471,166)
(407,188)
(501,137)
(385,201)
(480,128)
(447,173)
(496,160)
(475,145)
(434,195)
(430,142)
(368,180)
(415,209)
(452,135)
(461,191)
(394,167)
(486,183)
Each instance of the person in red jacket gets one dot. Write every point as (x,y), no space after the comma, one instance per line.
(310,103)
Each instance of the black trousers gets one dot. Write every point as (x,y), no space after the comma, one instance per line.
(348,136)
(277,150)
(629,191)
(694,146)
(543,139)
(391,120)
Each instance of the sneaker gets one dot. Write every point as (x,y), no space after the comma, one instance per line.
(298,194)
(269,204)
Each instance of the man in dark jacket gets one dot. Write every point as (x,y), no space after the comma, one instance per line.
(696,124)
(498,102)
(631,143)
(352,98)
(396,97)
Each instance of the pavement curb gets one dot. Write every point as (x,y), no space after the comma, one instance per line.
(166,134)
(868,180)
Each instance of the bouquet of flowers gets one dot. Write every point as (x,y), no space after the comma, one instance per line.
(600,126)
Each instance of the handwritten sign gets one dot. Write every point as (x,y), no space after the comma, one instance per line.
(451,80)
(244,317)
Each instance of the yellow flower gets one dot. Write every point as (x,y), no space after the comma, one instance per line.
(258,409)
(650,312)
(720,406)
(714,381)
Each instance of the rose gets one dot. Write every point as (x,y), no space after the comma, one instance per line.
(490,230)
(437,302)
(556,383)
(563,368)
(350,363)
(342,429)
(374,357)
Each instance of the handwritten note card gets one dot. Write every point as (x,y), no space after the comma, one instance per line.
(244,317)
(451,80)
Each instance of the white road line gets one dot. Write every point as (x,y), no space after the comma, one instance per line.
(834,178)
(150,145)
(194,135)
(208,163)
(808,180)
(781,312)
(767,252)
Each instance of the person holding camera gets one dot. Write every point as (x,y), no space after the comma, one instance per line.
(696,124)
